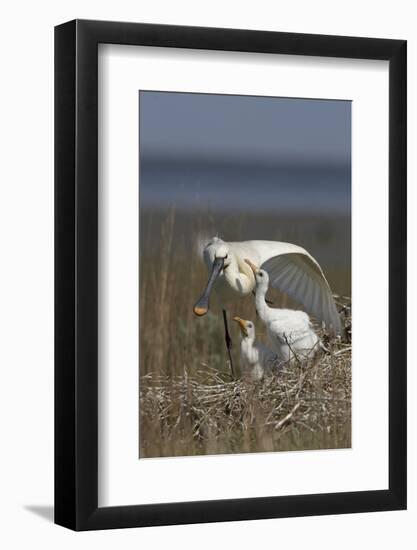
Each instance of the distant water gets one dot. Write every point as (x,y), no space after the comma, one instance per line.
(226,185)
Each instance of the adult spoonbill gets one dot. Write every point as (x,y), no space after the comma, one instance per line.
(291,269)
(289,331)
(256,359)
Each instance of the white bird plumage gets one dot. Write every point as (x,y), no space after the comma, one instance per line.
(291,269)
(256,358)
(290,331)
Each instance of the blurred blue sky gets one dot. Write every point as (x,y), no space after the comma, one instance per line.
(235,152)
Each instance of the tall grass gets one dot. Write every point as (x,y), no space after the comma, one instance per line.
(188,403)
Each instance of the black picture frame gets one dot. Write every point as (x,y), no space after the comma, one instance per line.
(76,272)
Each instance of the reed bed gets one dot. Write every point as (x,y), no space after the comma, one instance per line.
(304,405)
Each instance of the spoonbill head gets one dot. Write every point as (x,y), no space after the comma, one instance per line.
(261,276)
(247,328)
(228,274)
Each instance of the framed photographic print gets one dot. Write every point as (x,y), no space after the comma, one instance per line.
(230,338)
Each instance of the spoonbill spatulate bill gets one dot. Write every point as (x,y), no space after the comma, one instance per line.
(290,331)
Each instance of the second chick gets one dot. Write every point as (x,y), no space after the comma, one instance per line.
(256,359)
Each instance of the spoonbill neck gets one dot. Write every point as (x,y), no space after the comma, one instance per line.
(261,306)
(248,341)
(239,281)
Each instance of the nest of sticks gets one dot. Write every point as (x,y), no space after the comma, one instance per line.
(304,405)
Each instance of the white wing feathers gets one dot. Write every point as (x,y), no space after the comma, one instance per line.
(293,271)
(300,276)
